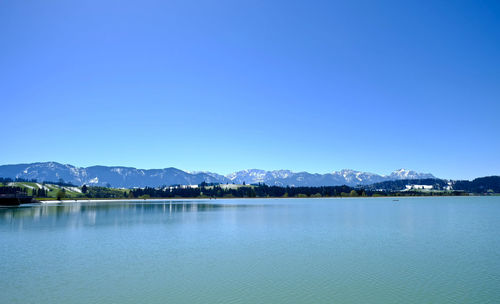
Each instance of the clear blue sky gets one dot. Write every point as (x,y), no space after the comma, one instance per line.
(226,85)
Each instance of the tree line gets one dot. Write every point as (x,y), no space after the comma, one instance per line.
(60,182)
(263,191)
(487,184)
(397,185)
(23,190)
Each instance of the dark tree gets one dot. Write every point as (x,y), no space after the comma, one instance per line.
(61,194)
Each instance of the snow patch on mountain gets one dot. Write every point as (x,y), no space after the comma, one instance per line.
(132,177)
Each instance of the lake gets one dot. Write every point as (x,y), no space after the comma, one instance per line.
(349,250)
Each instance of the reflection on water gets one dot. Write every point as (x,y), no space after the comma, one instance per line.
(99,213)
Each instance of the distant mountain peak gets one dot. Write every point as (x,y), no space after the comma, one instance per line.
(409,174)
(128,177)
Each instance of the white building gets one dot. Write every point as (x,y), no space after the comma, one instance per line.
(418,187)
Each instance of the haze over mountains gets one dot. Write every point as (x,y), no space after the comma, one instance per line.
(129,177)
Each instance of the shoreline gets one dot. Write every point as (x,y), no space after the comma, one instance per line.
(103,200)
(100,200)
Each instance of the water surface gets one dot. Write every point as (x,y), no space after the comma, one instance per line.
(371,250)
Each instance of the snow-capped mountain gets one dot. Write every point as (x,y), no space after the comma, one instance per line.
(343,177)
(131,177)
(254,176)
(102,175)
(409,174)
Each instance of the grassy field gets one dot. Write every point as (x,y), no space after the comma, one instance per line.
(71,192)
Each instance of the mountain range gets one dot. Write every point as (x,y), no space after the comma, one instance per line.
(128,177)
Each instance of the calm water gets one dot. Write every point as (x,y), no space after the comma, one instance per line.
(375,250)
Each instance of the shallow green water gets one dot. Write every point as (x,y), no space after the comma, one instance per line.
(375,250)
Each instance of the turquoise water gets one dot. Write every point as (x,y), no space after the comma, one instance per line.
(371,250)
